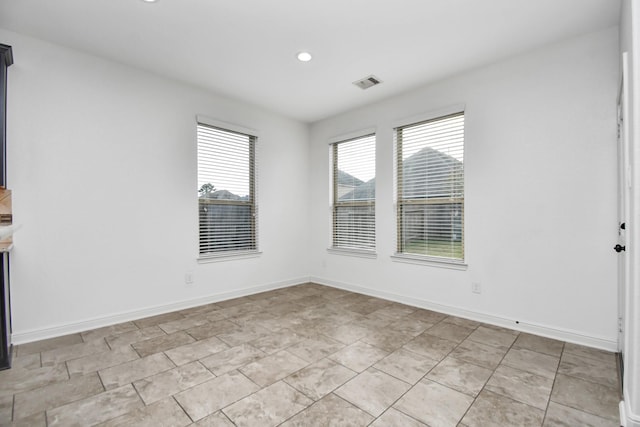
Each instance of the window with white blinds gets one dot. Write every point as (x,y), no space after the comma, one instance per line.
(354,193)
(430,179)
(226,190)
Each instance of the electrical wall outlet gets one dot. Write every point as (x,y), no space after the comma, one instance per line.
(188,278)
(476,288)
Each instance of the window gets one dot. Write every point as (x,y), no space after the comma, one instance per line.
(226,190)
(430,180)
(354,193)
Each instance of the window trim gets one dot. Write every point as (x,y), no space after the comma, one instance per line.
(253,182)
(333,143)
(429,260)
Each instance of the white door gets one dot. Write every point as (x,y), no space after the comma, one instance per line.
(624,188)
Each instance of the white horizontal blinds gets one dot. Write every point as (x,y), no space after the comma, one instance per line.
(354,172)
(431,187)
(226,190)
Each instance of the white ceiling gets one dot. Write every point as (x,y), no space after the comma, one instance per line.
(245,49)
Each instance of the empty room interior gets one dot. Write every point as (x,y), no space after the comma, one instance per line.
(320,213)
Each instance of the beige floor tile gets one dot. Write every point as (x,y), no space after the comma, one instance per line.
(596,370)
(563,416)
(108,331)
(346,334)
(98,361)
(238,309)
(215,394)
(211,329)
(268,407)
(27,361)
(590,353)
(532,361)
(495,337)
(19,380)
(319,379)
(387,339)
(393,418)
(163,413)
(273,368)
(330,411)
(170,382)
(409,326)
(74,351)
(406,365)
(596,399)
(450,331)
(129,372)
(395,311)
(253,319)
(182,324)
(197,350)
(217,419)
(428,345)
(162,343)
(358,356)
(487,356)
(282,308)
(462,376)
(35,420)
(54,395)
(96,409)
(373,324)
(494,410)
(427,316)
(133,337)
(373,391)
(366,308)
(244,335)
(156,320)
(445,406)
(48,344)
(539,344)
(234,358)
(314,349)
(6,409)
(285,340)
(525,387)
(277,341)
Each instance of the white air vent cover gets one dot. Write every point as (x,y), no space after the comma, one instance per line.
(367,82)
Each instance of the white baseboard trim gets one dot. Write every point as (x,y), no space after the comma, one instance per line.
(542,330)
(627,417)
(23,337)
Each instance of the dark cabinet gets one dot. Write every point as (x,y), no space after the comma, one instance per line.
(5,313)
(6,59)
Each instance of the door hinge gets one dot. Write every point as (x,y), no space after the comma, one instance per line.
(619,324)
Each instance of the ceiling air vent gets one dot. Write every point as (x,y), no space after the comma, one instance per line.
(367,82)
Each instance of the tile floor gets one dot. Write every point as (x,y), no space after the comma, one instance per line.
(308,355)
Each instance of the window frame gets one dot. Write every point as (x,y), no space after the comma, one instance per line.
(431,260)
(253,136)
(335,204)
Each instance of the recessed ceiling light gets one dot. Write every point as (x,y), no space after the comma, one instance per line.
(149,1)
(304,57)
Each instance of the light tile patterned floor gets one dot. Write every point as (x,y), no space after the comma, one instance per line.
(308,355)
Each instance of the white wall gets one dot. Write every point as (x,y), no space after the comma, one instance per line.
(102,164)
(630,43)
(540,201)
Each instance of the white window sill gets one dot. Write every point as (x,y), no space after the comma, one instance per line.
(431,261)
(360,253)
(228,256)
